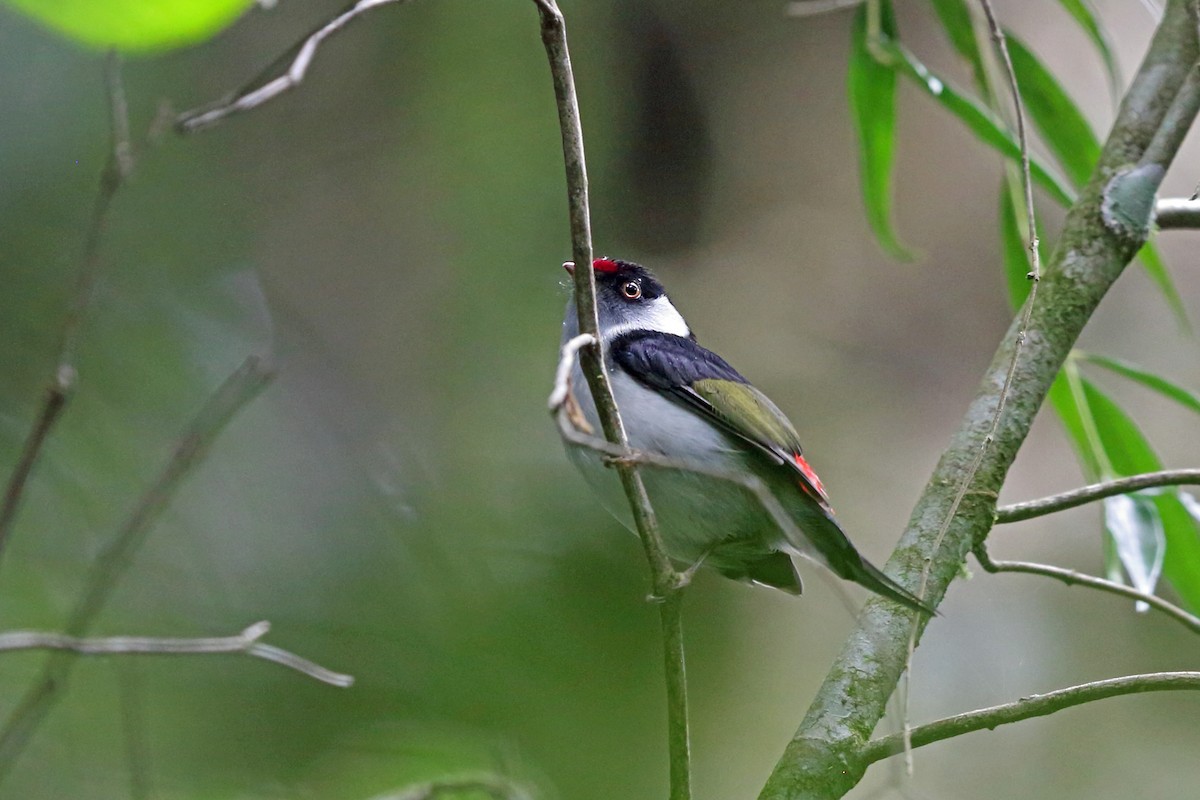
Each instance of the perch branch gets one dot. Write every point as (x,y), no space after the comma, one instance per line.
(248,642)
(824,758)
(270,84)
(1177,212)
(1037,705)
(667,583)
(1072,578)
(1098,491)
(58,390)
(237,390)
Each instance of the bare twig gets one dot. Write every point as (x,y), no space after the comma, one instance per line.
(247,642)
(1037,705)
(237,390)
(1173,213)
(997,33)
(667,582)
(62,382)
(269,85)
(1072,578)
(1098,491)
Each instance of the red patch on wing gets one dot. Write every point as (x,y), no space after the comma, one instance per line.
(811,481)
(605,265)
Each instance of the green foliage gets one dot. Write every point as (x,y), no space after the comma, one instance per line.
(872,90)
(1148,532)
(1057,118)
(1085,15)
(134,25)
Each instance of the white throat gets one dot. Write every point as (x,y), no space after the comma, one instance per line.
(658,314)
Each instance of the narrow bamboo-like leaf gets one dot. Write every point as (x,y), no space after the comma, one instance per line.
(1156,268)
(1136,529)
(978,119)
(1012,247)
(134,25)
(1128,453)
(956,20)
(1014,244)
(1085,15)
(1174,391)
(871,86)
(1062,126)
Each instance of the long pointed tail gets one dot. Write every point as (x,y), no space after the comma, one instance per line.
(873,578)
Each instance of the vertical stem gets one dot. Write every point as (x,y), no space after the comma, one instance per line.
(667,583)
(679,746)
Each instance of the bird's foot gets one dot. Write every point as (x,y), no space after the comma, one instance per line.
(679,580)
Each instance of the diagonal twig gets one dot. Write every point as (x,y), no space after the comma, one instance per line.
(269,85)
(1097,491)
(1175,213)
(58,390)
(248,642)
(1036,705)
(238,389)
(1072,578)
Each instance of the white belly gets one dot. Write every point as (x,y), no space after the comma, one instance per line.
(694,512)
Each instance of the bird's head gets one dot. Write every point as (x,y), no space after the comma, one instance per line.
(629,298)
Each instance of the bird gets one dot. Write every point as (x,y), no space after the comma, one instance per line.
(680,400)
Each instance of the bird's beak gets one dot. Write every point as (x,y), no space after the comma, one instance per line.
(569,266)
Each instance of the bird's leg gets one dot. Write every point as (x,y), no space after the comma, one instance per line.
(683,579)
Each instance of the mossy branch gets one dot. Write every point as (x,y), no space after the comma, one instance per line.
(825,758)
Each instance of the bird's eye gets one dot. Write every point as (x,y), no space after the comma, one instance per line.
(631,289)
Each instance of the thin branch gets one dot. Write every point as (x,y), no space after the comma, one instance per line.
(1178,121)
(1072,578)
(246,643)
(238,389)
(823,758)
(1097,491)
(1173,213)
(58,390)
(269,85)
(666,581)
(997,33)
(1035,275)
(1037,705)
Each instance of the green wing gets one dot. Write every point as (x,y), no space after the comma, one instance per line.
(750,414)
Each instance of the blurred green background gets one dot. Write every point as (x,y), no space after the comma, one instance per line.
(398,504)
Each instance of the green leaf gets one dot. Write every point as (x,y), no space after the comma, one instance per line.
(958,24)
(1136,528)
(1156,268)
(981,121)
(872,90)
(1085,15)
(1014,244)
(1128,453)
(1174,391)
(1062,126)
(134,25)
